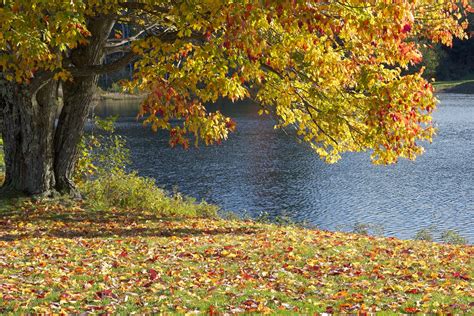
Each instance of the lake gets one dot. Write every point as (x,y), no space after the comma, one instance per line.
(260,169)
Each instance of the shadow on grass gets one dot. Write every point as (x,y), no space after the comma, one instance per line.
(124,233)
(72,221)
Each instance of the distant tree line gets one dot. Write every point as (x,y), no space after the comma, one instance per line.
(456,62)
(451,63)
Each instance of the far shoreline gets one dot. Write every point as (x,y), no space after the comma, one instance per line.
(454,87)
(102,95)
(458,86)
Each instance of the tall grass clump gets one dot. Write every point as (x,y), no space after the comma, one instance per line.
(453,237)
(131,191)
(104,181)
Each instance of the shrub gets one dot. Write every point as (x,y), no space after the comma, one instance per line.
(115,87)
(368,229)
(130,191)
(425,234)
(281,219)
(102,178)
(102,152)
(453,237)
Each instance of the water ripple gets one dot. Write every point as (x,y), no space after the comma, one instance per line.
(260,169)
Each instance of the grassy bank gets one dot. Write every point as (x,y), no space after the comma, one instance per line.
(107,95)
(457,86)
(66,258)
(116,94)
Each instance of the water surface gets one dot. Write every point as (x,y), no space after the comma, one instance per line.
(260,169)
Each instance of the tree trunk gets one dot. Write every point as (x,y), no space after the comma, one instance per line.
(39,156)
(77,105)
(77,96)
(28,135)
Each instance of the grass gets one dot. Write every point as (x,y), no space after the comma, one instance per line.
(444,86)
(129,190)
(116,95)
(63,257)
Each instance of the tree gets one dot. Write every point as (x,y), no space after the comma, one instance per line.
(457,62)
(332,70)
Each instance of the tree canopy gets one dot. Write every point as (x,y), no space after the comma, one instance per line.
(331,70)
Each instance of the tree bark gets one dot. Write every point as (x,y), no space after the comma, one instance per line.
(77,96)
(28,134)
(39,156)
(77,105)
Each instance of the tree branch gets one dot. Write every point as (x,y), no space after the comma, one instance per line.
(129,57)
(305,102)
(39,81)
(114,44)
(104,69)
(153,9)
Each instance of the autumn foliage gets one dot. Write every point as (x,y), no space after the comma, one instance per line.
(334,71)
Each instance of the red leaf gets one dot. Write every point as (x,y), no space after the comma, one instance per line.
(212,311)
(413,291)
(406,28)
(104,294)
(153,274)
(464,277)
(411,310)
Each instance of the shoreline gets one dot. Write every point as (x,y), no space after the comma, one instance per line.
(458,87)
(454,87)
(116,96)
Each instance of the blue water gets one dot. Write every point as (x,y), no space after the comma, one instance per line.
(260,169)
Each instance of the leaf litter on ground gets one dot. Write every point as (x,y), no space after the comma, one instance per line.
(57,258)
